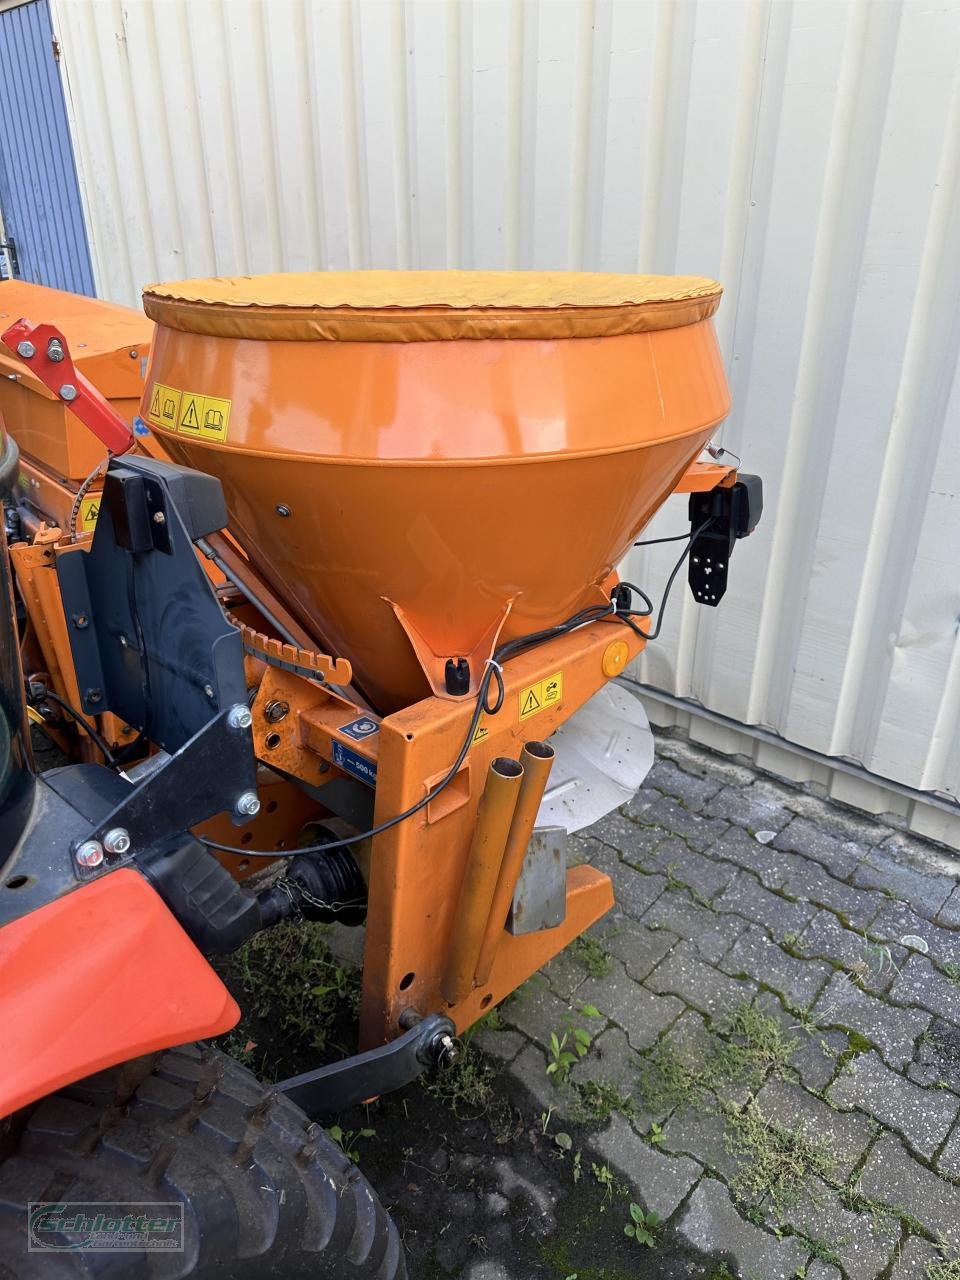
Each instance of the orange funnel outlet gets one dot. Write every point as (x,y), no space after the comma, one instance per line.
(421,462)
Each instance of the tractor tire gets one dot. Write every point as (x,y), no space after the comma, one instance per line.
(265,1192)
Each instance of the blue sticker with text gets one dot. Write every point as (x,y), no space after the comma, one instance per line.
(360,729)
(352,762)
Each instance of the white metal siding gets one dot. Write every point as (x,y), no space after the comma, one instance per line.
(807,154)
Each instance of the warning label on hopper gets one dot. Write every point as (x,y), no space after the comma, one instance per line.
(189,413)
(89,510)
(542,694)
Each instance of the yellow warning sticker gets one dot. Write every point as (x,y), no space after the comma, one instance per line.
(481,732)
(216,416)
(89,510)
(542,694)
(189,412)
(164,406)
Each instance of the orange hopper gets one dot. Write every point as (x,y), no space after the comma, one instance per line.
(419,462)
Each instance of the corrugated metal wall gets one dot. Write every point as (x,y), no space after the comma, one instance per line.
(806,154)
(39,200)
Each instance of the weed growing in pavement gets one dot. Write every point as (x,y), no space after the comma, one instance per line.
(642,1226)
(667,1083)
(751,1046)
(591,955)
(952,971)
(722,1272)
(565,1051)
(563,1142)
(879,957)
(757,1047)
(466,1086)
(879,1210)
(347,1140)
(943,1269)
(775,1162)
(599,1099)
(819,1248)
(603,1175)
(289,977)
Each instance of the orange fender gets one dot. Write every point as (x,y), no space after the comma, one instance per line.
(98,976)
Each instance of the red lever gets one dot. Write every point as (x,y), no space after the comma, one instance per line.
(43,349)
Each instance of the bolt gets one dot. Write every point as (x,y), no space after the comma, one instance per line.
(248,804)
(117,840)
(134,355)
(93,695)
(26,349)
(239,717)
(159,518)
(283,510)
(447,1053)
(275,711)
(68,392)
(55,350)
(90,853)
(80,620)
(208,690)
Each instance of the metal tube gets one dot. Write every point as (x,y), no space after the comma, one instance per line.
(537,761)
(497,805)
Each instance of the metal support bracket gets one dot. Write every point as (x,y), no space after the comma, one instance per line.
(210,774)
(371,1074)
(733,513)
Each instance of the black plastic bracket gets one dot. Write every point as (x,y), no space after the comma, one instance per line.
(148,637)
(733,513)
(371,1074)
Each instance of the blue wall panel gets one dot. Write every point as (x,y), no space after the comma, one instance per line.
(39,191)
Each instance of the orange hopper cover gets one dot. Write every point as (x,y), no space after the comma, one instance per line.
(418,460)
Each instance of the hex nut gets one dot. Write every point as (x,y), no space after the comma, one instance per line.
(248,804)
(239,716)
(90,853)
(117,840)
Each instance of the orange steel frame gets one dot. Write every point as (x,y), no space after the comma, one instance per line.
(416,868)
(419,911)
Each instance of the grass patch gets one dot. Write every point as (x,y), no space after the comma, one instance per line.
(599,1100)
(591,955)
(775,1163)
(756,1047)
(667,1083)
(820,1248)
(292,990)
(466,1087)
(751,1047)
(879,1210)
(942,1269)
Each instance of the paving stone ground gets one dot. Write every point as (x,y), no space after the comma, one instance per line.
(774,1008)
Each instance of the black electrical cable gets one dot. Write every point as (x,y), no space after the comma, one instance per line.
(492,672)
(655,542)
(101,742)
(655,633)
